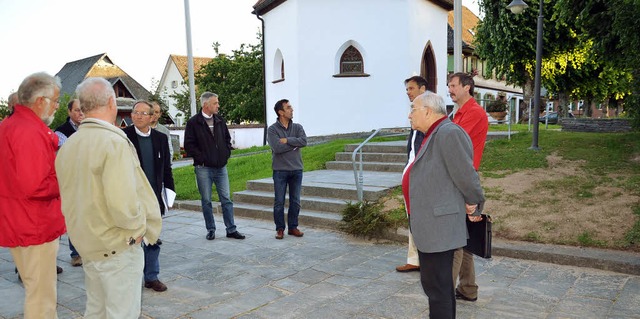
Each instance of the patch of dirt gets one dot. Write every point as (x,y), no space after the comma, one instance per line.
(558,204)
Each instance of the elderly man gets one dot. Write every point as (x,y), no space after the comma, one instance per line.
(153,154)
(439,187)
(64,131)
(109,206)
(473,120)
(208,142)
(30,218)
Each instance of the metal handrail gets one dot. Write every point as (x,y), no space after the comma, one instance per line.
(357,171)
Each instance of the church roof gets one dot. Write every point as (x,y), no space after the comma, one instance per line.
(469,23)
(264,6)
(181,62)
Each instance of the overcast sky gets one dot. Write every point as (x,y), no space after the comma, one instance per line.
(138,35)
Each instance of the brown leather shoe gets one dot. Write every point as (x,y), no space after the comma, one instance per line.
(76,261)
(280,234)
(407,268)
(295,232)
(156,285)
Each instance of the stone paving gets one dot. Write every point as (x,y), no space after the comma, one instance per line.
(326,274)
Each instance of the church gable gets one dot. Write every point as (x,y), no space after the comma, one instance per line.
(263,6)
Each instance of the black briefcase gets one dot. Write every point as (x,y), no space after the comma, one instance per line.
(479,242)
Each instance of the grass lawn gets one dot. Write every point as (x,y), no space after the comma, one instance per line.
(593,201)
(256,166)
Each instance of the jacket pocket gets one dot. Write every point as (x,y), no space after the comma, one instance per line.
(447,209)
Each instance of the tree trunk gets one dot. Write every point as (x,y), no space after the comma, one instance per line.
(527,90)
(588,112)
(563,100)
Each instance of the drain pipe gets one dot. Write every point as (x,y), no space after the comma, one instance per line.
(264,79)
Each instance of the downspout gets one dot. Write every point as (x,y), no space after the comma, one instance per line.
(264,75)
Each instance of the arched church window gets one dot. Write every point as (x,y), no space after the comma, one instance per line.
(351,61)
(278,67)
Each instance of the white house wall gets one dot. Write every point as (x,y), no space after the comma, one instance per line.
(280,36)
(309,34)
(428,22)
(172,74)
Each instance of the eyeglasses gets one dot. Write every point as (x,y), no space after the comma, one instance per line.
(140,113)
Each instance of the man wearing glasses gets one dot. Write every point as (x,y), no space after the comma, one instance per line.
(153,153)
(30,211)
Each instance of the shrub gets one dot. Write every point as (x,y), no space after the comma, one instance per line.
(365,220)
(497,106)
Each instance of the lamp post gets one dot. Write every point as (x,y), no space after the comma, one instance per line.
(517,6)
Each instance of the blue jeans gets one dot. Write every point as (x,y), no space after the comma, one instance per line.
(74,252)
(282,179)
(205,178)
(151,262)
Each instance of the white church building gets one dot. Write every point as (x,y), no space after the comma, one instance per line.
(342,63)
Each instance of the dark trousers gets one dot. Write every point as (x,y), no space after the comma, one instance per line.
(435,276)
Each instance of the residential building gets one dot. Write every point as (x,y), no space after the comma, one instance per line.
(175,80)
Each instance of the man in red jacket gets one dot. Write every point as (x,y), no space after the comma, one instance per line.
(473,119)
(31,220)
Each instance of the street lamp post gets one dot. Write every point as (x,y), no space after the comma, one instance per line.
(517,6)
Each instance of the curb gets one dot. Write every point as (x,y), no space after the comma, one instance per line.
(603,259)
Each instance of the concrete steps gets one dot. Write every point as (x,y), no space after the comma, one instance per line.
(325,193)
(306,217)
(315,203)
(367,166)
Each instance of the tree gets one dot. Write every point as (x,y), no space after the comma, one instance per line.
(62,112)
(610,23)
(4,108)
(571,64)
(508,42)
(238,79)
(183,103)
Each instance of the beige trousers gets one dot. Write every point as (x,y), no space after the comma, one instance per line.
(412,252)
(464,269)
(114,285)
(37,267)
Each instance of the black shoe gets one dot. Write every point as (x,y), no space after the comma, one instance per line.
(58,270)
(236,234)
(211,235)
(463,297)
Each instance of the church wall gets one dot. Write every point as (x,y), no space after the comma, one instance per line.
(429,27)
(383,31)
(281,33)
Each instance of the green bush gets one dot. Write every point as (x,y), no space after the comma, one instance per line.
(365,220)
(497,106)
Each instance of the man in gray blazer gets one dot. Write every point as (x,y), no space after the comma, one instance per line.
(440,189)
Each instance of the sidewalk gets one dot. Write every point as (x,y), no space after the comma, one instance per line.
(327,274)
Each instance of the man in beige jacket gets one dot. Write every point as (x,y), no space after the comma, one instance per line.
(108,204)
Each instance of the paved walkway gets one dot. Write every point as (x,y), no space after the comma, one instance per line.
(327,274)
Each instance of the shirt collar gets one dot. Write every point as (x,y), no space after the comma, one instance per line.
(207,116)
(140,133)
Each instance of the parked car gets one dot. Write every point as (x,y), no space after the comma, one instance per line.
(553,117)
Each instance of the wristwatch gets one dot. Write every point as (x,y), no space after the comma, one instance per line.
(132,241)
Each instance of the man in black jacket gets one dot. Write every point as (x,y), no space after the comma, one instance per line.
(153,152)
(64,131)
(208,142)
